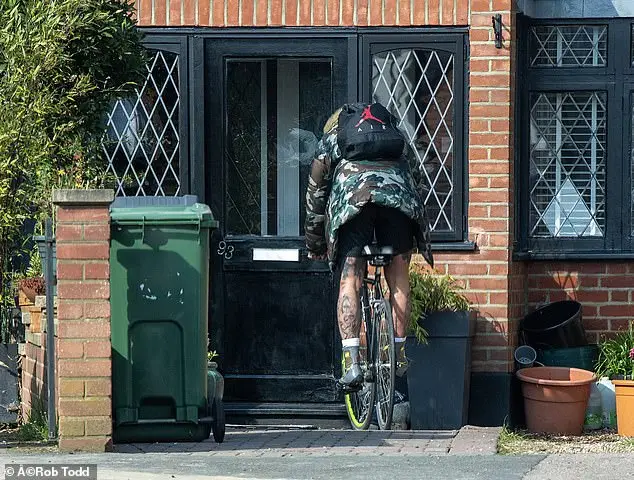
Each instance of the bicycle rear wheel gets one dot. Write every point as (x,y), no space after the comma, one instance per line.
(386,363)
(359,405)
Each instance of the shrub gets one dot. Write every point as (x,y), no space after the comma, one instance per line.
(62,63)
(432,293)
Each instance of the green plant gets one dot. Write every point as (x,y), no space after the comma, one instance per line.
(507,438)
(36,426)
(211,355)
(62,63)
(432,293)
(594,420)
(616,355)
(35,264)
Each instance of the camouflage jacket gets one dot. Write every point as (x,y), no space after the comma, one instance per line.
(338,188)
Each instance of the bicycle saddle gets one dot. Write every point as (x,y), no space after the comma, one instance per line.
(377,251)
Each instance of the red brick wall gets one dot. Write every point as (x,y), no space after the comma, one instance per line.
(34,388)
(247,13)
(33,373)
(604,289)
(487,273)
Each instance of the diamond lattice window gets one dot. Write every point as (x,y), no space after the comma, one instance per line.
(568,45)
(417,86)
(567,164)
(142,138)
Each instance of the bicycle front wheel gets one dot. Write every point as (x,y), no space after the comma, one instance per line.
(385,364)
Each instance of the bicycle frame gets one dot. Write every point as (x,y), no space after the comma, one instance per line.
(370,293)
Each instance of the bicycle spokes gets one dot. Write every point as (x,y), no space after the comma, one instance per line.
(386,364)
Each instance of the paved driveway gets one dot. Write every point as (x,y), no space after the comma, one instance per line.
(268,454)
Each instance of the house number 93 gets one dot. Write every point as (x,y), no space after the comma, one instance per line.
(225,250)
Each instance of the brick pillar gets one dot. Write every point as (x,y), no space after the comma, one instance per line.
(84,366)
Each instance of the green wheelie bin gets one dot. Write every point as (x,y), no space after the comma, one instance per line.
(159,286)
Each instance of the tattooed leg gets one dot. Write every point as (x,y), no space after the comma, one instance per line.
(348,311)
(397,276)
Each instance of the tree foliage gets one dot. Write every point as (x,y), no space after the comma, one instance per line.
(62,62)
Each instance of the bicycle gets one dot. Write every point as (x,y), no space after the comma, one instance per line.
(377,353)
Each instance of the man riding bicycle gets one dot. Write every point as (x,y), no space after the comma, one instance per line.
(349,202)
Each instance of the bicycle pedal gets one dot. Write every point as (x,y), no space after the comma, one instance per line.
(346,389)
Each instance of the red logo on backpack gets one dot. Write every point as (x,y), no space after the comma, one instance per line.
(367,115)
(367,132)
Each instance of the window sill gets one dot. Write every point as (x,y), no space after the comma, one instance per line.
(572,256)
(454,247)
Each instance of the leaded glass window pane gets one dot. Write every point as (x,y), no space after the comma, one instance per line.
(567,164)
(417,86)
(568,45)
(276,109)
(142,143)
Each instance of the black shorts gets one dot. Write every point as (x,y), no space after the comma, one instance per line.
(389,226)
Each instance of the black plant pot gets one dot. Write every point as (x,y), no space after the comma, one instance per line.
(439,374)
(40,240)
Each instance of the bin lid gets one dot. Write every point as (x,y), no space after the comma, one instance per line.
(174,214)
(177,200)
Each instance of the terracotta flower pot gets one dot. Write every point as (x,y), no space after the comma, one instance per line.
(624,407)
(29,288)
(555,398)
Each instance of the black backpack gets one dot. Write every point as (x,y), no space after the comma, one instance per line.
(368,132)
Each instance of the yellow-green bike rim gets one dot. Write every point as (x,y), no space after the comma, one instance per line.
(351,415)
(356,423)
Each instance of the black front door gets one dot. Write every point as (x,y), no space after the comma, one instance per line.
(272,310)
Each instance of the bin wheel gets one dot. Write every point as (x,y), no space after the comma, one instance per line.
(218,424)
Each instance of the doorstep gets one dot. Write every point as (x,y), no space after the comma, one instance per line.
(476,440)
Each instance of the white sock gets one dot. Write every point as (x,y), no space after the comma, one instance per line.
(399,339)
(350,342)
